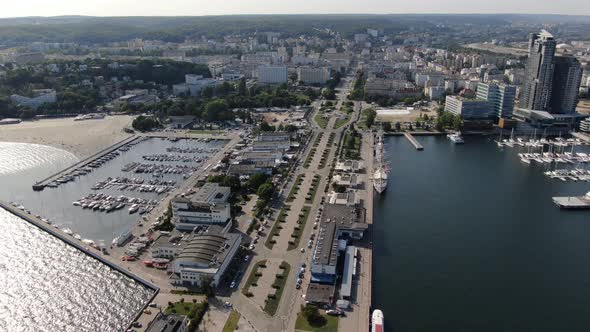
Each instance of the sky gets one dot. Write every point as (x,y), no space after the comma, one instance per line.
(227,7)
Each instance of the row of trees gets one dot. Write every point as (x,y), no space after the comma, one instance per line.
(145,123)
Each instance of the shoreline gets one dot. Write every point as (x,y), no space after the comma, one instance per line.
(81,138)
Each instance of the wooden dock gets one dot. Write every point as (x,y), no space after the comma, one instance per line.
(573,202)
(83,163)
(414,142)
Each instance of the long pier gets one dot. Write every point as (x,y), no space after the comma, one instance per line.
(573,202)
(70,241)
(43,183)
(414,142)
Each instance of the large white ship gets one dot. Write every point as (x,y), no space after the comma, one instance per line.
(377,321)
(380,169)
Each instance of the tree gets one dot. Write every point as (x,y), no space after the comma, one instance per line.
(266,127)
(217,110)
(370,114)
(329,94)
(398,126)
(458,123)
(386,126)
(143,123)
(256,180)
(242,87)
(208,92)
(313,316)
(265,191)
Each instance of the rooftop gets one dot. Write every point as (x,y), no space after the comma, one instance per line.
(207,248)
(336,218)
(166,323)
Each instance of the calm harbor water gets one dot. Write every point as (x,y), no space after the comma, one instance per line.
(21,165)
(466,238)
(47,285)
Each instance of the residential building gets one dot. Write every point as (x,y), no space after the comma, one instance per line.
(469,109)
(309,75)
(272,74)
(536,89)
(500,96)
(435,92)
(585,125)
(207,206)
(193,85)
(40,97)
(567,77)
(391,88)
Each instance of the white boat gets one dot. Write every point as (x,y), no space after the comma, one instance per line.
(380,170)
(377,321)
(456,138)
(380,180)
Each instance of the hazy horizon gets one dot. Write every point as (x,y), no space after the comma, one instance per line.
(262,7)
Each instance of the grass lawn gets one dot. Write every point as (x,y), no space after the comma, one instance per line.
(296,236)
(253,278)
(303,325)
(351,147)
(321,121)
(342,121)
(232,322)
(272,302)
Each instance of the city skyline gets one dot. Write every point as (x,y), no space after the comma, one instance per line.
(236,7)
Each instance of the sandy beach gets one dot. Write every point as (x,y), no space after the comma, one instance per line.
(81,138)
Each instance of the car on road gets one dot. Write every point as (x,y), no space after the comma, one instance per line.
(251,247)
(332,312)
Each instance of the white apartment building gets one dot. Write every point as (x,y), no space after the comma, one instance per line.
(309,75)
(272,74)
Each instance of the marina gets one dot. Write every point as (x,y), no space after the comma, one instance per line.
(104,218)
(85,166)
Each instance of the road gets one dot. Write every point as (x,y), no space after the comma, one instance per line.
(292,299)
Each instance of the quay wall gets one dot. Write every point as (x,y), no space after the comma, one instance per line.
(41,184)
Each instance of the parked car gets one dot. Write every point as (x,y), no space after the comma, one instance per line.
(297,286)
(232,285)
(247,258)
